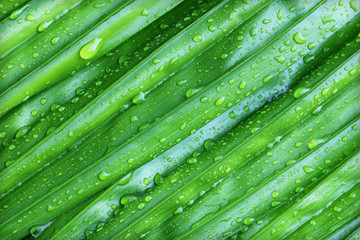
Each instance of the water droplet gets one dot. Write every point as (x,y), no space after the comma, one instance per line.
(181,82)
(30,18)
(158,178)
(2,134)
(299,38)
(55,40)
(139,98)
(253,32)
(22,131)
(327,19)
(325,91)
(50,208)
(267,78)
(197,38)
(208,143)
(16,13)
(43,101)
(308,169)
(300,92)
(275,194)
(232,115)
(90,49)
(242,84)
(280,59)
(308,58)
(127,198)
(311,45)
(337,209)
(211,28)
(145,12)
(316,142)
(103,175)
(192,91)
(220,101)
(191,160)
(141,206)
(249,220)
(43,26)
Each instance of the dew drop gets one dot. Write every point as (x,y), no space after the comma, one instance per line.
(249,220)
(308,169)
(139,98)
(22,131)
(30,18)
(103,175)
(55,40)
(299,38)
(197,38)
(300,92)
(90,49)
(43,26)
(220,101)
(16,13)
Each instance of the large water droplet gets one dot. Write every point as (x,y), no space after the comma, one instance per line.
(219,101)
(16,13)
(249,220)
(308,169)
(139,98)
(90,49)
(192,91)
(316,142)
(43,26)
(22,131)
(103,175)
(197,38)
(300,92)
(299,38)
